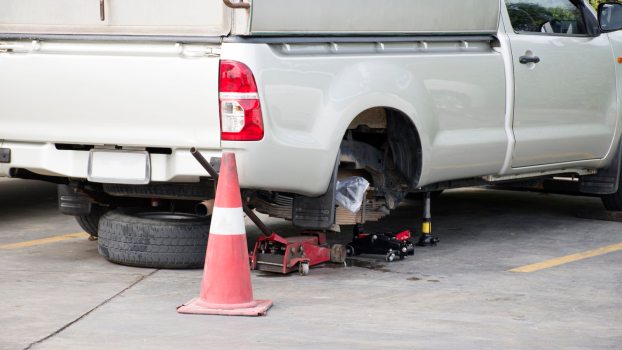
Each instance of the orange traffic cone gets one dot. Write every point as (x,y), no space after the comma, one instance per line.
(226,287)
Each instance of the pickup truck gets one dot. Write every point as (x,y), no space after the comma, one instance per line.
(107,97)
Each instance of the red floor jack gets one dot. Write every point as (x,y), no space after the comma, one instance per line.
(285,255)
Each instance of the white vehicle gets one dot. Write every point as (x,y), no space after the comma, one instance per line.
(107,97)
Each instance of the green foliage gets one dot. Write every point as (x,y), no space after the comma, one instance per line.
(596,2)
(564,14)
(526,16)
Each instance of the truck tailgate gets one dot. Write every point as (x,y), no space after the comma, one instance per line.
(155,95)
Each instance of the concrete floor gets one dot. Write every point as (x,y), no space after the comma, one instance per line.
(458,295)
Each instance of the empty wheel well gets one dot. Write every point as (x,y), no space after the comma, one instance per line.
(388,134)
(381,145)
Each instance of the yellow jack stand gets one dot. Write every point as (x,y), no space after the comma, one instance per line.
(426,239)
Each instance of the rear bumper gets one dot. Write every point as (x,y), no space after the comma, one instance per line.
(45,159)
(263,165)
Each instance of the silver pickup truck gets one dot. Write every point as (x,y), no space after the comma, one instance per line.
(107,97)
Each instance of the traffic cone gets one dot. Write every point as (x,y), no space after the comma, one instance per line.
(226,288)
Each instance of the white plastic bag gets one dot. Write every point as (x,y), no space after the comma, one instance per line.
(351,193)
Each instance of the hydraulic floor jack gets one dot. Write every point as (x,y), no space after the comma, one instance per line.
(394,245)
(283,255)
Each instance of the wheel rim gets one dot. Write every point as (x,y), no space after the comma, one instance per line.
(167,216)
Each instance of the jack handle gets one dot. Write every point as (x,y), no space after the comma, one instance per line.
(214,174)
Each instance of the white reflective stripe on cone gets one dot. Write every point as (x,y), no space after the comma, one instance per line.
(227,222)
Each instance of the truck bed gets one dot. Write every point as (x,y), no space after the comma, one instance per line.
(136,17)
(77,93)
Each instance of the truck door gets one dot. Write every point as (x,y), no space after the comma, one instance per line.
(565,97)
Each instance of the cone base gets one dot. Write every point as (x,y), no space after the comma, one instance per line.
(196,306)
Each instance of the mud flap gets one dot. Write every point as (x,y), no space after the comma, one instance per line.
(606,181)
(317,213)
(71,202)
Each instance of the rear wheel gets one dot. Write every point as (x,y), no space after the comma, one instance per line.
(90,222)
(153,239)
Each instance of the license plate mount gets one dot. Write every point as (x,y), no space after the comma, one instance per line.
(119,167)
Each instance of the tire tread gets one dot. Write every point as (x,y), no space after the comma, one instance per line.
(130,240)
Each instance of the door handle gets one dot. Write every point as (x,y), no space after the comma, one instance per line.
(529,59)
(102,10)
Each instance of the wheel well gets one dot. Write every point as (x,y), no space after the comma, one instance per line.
(394,133)
(380,144)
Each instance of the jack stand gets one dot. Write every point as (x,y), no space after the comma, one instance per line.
(426,239)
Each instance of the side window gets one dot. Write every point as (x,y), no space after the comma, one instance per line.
(558,17)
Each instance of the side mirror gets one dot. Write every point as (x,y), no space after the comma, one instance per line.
(610,16)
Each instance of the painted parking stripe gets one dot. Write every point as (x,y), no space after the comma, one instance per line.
(569,258)
(47,240)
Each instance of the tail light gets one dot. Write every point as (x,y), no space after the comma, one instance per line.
(240,111)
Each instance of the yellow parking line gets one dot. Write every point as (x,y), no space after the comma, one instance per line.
(568,258)
(44,240)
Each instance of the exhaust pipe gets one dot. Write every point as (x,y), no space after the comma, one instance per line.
(214,174)
(204,208)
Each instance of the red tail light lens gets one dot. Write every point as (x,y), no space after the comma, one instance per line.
(240,111)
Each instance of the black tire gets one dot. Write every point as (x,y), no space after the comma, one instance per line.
(198,190)
(90,222)
(419,195)
(153,239)
(350,250)
(613,202)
